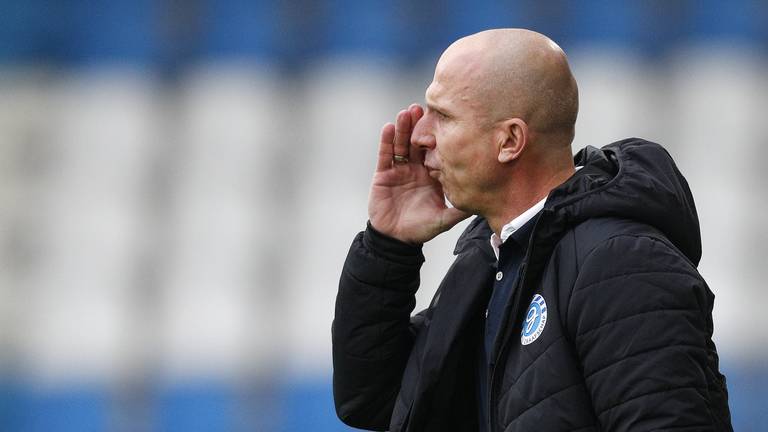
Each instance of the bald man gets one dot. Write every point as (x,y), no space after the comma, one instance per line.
(574,302)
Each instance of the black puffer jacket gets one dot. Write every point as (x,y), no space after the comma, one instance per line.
(627,341)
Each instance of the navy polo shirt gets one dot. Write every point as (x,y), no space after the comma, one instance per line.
(511,255)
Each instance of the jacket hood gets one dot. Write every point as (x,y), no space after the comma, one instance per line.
(631,179)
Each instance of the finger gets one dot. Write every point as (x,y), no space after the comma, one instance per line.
(402,133)
(451,216)
(384,160)
(416,113)
(416,154)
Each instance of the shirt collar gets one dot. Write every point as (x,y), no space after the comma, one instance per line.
(517,223)
(514,225)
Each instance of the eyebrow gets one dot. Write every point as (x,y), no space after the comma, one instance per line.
(435,107)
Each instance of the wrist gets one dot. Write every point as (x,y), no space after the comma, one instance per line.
(391,248)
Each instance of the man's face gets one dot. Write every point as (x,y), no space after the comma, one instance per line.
(458,139)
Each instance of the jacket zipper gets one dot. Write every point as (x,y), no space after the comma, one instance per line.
(502,333)
(546,212)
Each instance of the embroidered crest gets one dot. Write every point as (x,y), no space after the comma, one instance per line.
(535,320)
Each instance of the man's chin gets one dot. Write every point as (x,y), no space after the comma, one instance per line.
(451,201)
(459,205)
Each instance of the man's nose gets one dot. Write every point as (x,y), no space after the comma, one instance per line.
(422,136)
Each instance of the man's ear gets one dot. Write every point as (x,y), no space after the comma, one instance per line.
(512,139)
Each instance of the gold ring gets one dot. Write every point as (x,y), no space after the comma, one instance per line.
(400,159)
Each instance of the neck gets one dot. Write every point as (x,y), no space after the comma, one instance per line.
(522,194)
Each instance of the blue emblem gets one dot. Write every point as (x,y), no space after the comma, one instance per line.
(535,320)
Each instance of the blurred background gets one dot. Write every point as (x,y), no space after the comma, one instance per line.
(180,182)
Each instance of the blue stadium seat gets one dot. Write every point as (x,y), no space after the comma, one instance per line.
(75,408)
(116,31)
(197,407)
(239,29)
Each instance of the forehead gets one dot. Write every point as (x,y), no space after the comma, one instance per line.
(454,86)
(459,69)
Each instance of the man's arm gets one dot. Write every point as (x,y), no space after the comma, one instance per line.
(640,319)
(372,332)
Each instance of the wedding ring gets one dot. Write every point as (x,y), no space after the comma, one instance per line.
(400,159)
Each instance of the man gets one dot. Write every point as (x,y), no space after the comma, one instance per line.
(574,302)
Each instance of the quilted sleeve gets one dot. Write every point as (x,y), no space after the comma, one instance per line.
(640,320)
(372,331)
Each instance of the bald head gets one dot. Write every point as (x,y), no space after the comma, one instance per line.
(511,73)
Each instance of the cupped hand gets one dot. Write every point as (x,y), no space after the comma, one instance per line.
(405,202)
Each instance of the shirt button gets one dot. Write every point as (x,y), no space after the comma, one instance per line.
(499,275)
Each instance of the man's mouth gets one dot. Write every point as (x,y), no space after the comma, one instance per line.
(434,173)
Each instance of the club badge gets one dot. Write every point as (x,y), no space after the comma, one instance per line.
(535,320)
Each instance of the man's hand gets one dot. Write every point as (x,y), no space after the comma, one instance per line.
(405,202)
